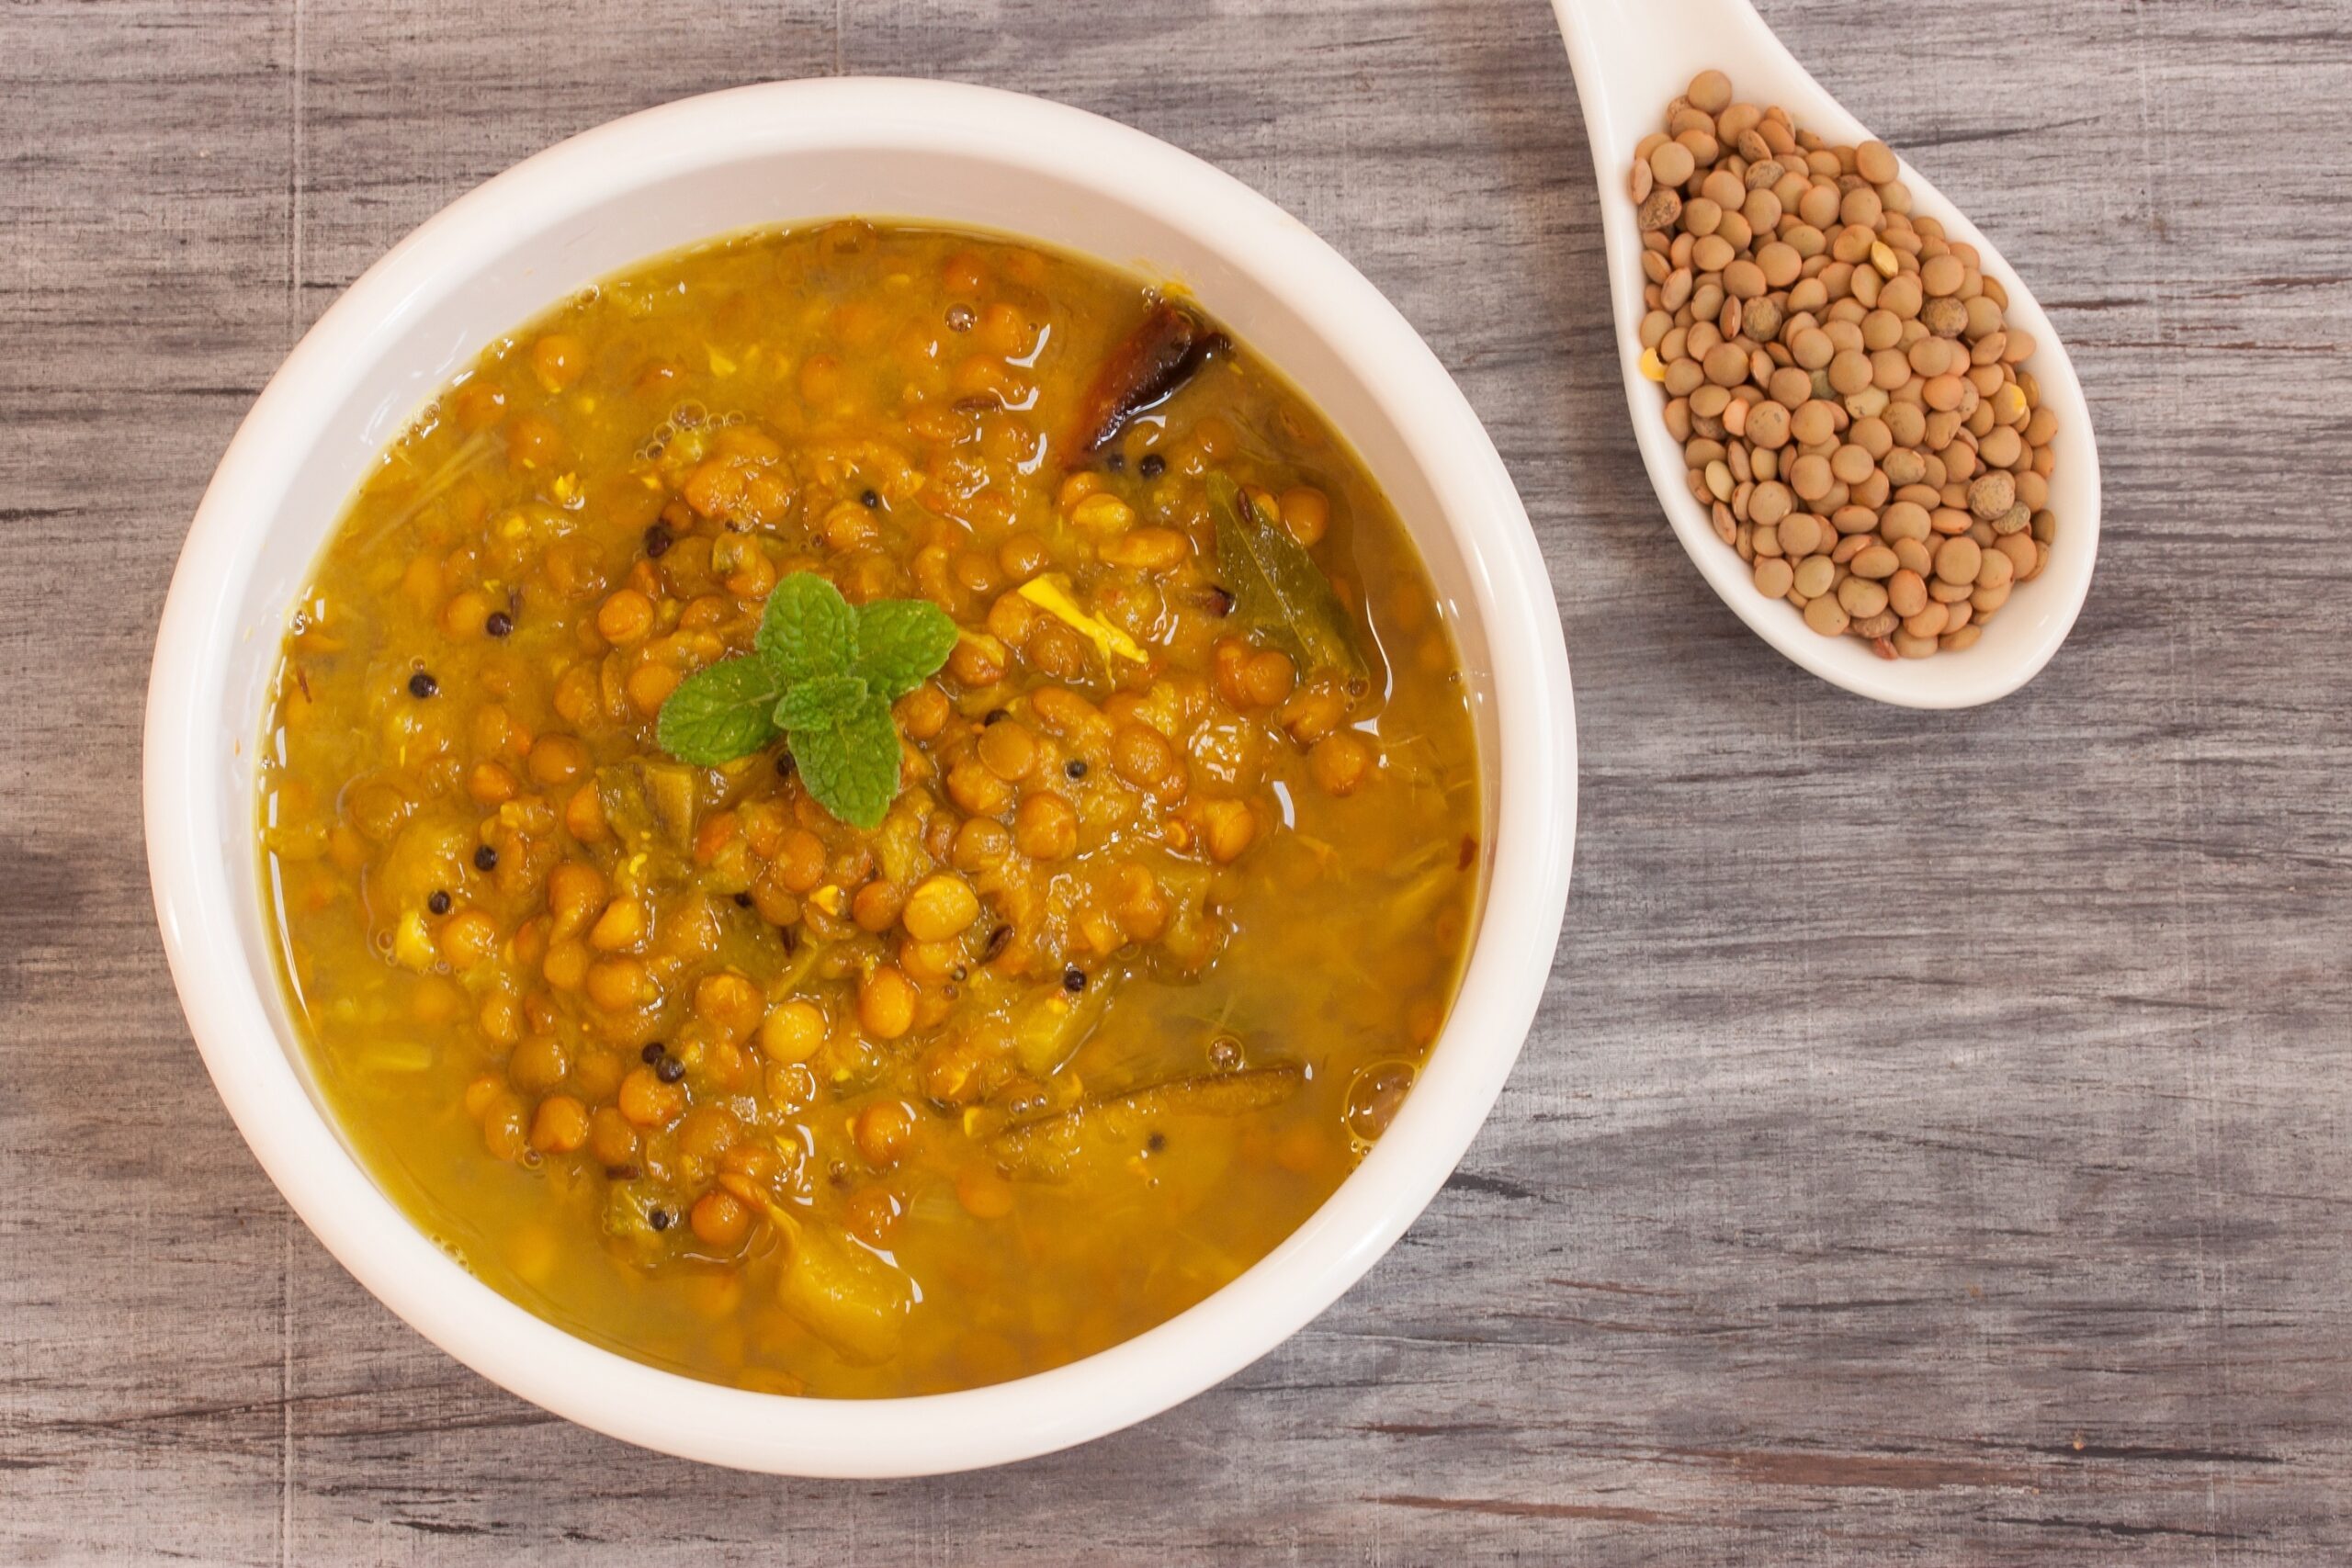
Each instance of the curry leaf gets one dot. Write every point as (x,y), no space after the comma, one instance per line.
(720,713)
(1277,587)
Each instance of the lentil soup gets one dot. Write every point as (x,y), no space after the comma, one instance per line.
(1168,902)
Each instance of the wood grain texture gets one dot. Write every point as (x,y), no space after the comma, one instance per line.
(1933,1147)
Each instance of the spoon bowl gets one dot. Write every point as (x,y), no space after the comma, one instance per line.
(1630,59)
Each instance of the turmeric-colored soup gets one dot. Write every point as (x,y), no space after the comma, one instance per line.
(1173,855)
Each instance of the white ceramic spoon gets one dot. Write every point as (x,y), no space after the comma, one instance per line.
(1630,58)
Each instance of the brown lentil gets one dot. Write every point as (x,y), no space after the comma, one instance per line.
(1853,409)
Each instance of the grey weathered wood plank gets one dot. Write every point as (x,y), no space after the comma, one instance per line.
(1933,1147)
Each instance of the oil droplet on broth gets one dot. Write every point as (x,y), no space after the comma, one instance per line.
(1375,1096)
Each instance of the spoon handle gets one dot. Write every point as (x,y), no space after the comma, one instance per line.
(1632,57)
(1620,34)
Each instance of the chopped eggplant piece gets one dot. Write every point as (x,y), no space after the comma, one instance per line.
(841,1292)
(650,805)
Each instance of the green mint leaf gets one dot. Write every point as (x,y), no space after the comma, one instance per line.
(720,713)
(850,761)
(900,642)
(816,702)
(807,630)
(823,678)
(1277,586)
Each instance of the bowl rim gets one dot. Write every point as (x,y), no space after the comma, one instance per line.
(1504,980)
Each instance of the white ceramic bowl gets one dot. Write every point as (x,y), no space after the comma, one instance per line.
(784,154)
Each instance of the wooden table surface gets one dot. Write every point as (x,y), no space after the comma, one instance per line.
(1933,1146)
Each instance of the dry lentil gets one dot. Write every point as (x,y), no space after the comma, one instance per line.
(1840,376)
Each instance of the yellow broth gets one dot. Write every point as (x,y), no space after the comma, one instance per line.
(1145,955)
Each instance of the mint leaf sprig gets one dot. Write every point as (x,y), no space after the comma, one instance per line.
(822,675)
